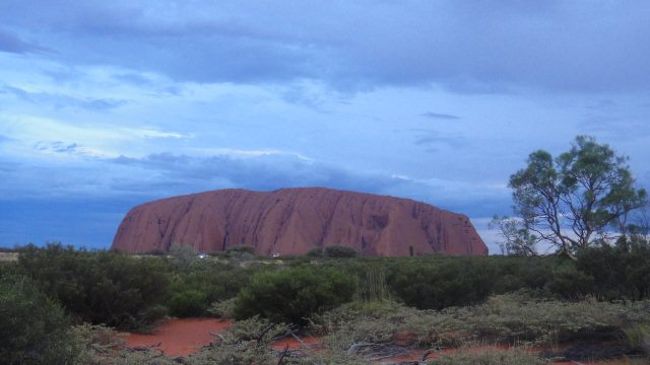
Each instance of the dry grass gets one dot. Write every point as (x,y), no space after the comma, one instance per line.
(8,256)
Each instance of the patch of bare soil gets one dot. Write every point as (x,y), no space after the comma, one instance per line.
(183,337)
(179,336)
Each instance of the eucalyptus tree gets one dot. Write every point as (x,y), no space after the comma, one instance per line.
(577,198)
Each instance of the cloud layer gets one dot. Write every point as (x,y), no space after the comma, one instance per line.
(117,103)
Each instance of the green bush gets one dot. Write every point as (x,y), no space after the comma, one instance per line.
(621,271)
(34,329)
(291,295)
(335,251)
(339,251)
(188,303)
(315,252)
(445,283)
(100,287)
(193,291)
(241,252)
(568,282)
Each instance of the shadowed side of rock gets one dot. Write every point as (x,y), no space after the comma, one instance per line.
(294,221)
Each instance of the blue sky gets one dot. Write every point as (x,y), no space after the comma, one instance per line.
(104,105)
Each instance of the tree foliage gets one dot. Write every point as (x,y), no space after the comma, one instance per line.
(577,198)
(516,239)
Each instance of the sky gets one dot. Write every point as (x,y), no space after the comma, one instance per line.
(108,104)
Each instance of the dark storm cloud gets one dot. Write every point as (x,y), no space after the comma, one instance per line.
(471,47)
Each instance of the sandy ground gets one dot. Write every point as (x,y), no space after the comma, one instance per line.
(179,337)
(182,337)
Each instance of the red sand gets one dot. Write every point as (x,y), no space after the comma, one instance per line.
(183,337)
(179,337)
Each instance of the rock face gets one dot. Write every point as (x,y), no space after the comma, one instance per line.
(294,221)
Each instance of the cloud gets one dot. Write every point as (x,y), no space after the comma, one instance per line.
(12,44)
(58,147)
(434,140)
(176,174)
(99,139)
(251,170)
(450,43)
(62,100)
(433,115)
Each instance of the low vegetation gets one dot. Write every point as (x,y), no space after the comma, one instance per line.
(100,287)
(512,319)
(34,329)
(56,300)
(292,295)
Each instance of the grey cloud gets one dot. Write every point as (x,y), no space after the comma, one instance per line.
(57,147)
(433,140)
(12,44)
(178,174)
(62,101)
(609,126)
(465,46)
(434,115)
(261,173)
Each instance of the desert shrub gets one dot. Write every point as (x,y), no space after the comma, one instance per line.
(362,322)
(249,341)
(33,328)
(241,252)
(638,337)
(489,357)
(100,345)
(372,285)
(194,290)
(334,251)
(515,318)
(315,252)
(516,273)
(223,309)
(338,251)
(425,285)
(502,319)
(293,294)
(183,256)
(568,282)
(246,343)
(621,271)
(188,303)
(100,287)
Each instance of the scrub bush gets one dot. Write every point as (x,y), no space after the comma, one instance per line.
(291,295)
